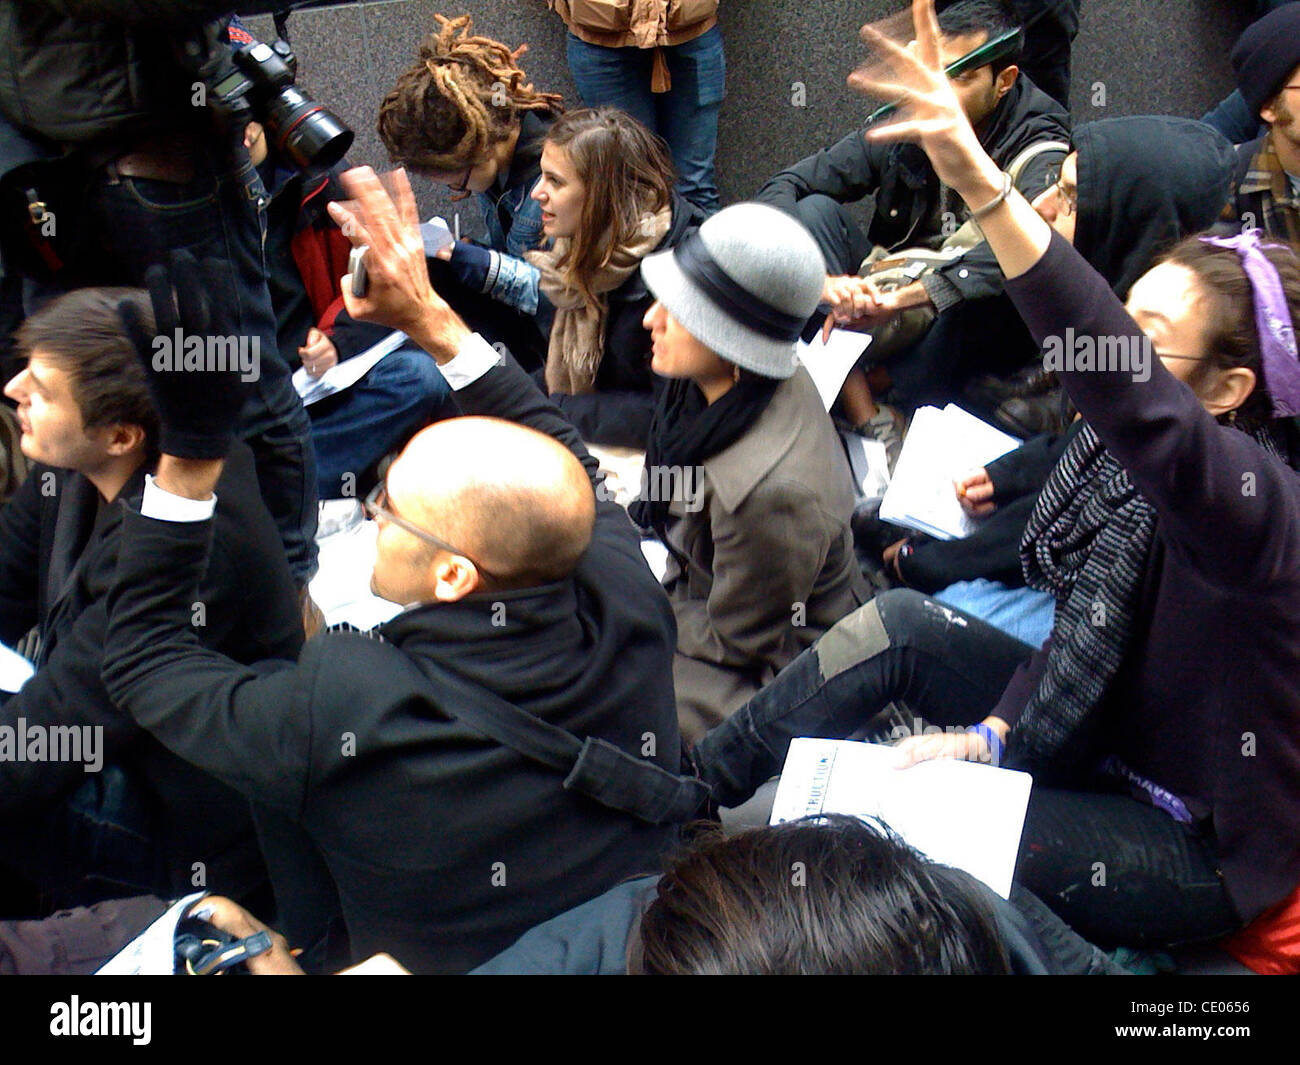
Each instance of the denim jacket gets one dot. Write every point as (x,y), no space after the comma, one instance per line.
(500,270)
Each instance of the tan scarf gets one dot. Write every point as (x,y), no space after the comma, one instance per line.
(578,334)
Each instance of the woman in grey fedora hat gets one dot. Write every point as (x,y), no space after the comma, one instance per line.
(741,448)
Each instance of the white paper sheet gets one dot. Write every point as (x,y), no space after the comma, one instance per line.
(341,587)
(344,374)
(436,234)
(830,362)
(962,814)
(940,446)
(869,464)
(14,669)
(153,951)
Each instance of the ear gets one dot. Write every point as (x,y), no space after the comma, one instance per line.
(1229,390)
(123,438)
(453,577)
(1005,80)
(1269,111)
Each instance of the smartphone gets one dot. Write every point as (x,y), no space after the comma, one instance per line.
(357,270)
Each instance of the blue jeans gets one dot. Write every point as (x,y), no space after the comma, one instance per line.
(686,116)
(401,394)
(136,222)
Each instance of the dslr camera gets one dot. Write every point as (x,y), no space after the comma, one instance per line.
(256,81)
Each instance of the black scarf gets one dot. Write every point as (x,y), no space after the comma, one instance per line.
(687,429)
(1088,542)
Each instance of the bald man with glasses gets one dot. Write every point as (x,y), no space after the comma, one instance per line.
(501,751)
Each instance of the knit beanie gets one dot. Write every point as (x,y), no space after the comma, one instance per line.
(1266,54)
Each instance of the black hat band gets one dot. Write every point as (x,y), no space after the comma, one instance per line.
(732,299)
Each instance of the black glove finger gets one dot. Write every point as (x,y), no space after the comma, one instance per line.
(219,289)
(188,280)
(137,328)
(158,281)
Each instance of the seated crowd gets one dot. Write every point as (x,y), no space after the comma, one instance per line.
(551,760)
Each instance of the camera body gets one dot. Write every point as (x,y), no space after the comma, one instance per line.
(257,81)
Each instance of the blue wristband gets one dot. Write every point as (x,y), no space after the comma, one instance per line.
(994,741)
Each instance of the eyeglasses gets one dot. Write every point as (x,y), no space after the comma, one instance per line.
(1069,197)
(377,505)
(463,184)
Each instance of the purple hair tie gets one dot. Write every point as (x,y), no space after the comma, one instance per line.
(1277,344)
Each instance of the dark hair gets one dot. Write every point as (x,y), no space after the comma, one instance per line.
(993,17)
(831,895)
(463,95)
(627,172)
(80,333)
(1231,337)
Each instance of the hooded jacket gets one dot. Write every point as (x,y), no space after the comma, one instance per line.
(1144,183)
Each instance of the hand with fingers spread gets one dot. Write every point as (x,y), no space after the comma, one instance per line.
(197,369)
(930,112)
(975,493)
(399,294)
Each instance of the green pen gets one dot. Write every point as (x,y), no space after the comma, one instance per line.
(989,52)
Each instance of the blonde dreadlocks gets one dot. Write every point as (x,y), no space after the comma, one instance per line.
(462,96)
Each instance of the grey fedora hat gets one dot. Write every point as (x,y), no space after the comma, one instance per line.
(744,284)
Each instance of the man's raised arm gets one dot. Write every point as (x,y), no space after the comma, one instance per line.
(400,295)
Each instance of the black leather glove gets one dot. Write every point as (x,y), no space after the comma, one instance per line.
(197,368)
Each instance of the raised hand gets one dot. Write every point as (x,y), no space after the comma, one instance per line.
(399,294)
(930,112)
(198,370)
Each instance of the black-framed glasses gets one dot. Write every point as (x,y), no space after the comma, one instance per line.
(376,505)
(463,185)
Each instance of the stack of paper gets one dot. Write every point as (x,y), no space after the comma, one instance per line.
(962,814)
(941,445)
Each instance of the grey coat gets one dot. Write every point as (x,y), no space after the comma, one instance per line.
(771,562)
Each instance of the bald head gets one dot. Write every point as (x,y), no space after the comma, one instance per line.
(517,501)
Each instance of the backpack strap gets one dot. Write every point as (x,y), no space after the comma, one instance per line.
(1018,164)
(593,767)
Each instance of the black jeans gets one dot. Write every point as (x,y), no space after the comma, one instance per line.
(127,224)
(1118,870)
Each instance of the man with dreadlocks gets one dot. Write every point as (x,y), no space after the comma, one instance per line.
(465,116)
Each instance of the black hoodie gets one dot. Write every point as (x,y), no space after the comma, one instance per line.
(1144,183)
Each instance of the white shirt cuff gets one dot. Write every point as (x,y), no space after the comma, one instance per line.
(475,358)
(163,505)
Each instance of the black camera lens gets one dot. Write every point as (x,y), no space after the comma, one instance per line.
(306,132)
